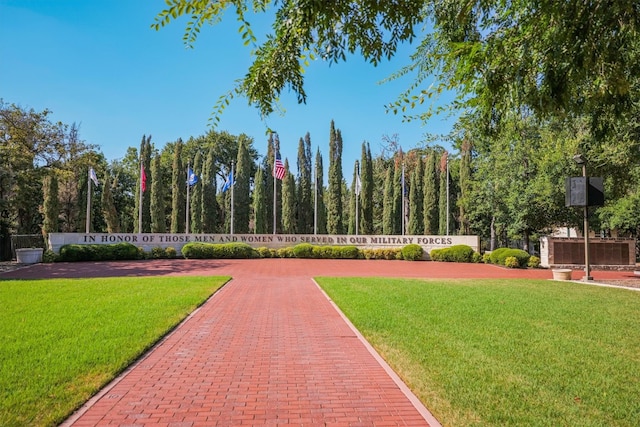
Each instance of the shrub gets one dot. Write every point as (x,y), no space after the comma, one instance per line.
(303,250)
(486,257)
(412,252)
(455,253)
(476,258)
(500,255)
(534,262)
(285,253)
(170,252)
(196,250)
(116,251)
(49,256)
(511,262)
(158,252)
(387,253)
(264,252)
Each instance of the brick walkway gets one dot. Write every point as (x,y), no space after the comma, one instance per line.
(269,348)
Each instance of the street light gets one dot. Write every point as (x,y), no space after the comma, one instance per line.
(582,161)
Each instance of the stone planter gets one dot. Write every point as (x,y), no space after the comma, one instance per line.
(561,274)
(29,255)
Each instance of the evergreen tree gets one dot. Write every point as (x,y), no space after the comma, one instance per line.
(260,202)
(209,204)
(195,204)
(398,197)
(465,186)
(353,196)
(388,209)
(158,218)
(430,196)
(289,208)
(50,205)
(178,190)
(442,230)
(144,161)
(335,212)
(241,198)
(305,179)
(416,204)
(108,206)
(366,191)
(321,209)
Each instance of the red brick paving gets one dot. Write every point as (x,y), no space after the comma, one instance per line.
(267,349)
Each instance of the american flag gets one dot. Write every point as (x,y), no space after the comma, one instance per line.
(278,167)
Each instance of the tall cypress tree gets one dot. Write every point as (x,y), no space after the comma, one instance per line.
(289,206)
(320,207)
(416,204)
(241,198)
(195,204)
(398,197)
(108,206)
(259,202)
(442,230)
(430,196)
(209,204)
(51,206)
(353,195)
(465,186)
(366,191)
(305,179)
(158,218)
(145,161)
(178,190)
(388,208)
(335,224)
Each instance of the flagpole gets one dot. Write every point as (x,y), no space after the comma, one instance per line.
(232,179)
(315,200)
(403,204)
(88,219)
(187,218)
(140,201)
(275,190)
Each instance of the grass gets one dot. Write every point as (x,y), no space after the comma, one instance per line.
(505,352)
(61,340)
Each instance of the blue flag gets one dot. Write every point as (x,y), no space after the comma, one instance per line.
(229,182)
(192,177)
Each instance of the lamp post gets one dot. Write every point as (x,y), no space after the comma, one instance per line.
(582,161)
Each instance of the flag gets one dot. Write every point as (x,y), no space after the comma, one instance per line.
(278,167)
(93,176)
(358,185)
(229,182)
(192,178)
(143,178)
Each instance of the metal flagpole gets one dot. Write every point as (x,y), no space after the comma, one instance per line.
(140,200)
(275,190)
(315,200)
(187,218)
(447,194)
(232,179)
(88,219)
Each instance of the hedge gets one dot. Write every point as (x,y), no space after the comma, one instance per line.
(500,255)
(456,253)
(110,252)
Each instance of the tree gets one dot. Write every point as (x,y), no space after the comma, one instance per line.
(241,197)
(388,203)
(398,197)
(209,208)
(51,208)
(145,161)
(260,202)
(465,185)
(305,178)
(178,190)
(335,224)
(416,204)
(431,197)
(158,219)
(320,207)
(195,204)
(353,195)
(444,194)
(108,207)
(289,208)
(366,190)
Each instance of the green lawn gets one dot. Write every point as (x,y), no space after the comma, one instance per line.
(62,340)
(505,352)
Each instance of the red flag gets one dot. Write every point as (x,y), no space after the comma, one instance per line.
(143,178)
(278,167)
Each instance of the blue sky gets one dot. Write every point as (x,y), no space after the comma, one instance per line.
(100,65)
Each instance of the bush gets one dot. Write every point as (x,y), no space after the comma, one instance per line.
(412,252)
(285,253)
(303,250)
(500,255)
(455,253)
(511,262)
(49,256)
(196,250)
(380,253)
(170,252)
(534,262)
(158,252)
(116,251)
(264,252)
(486,257)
